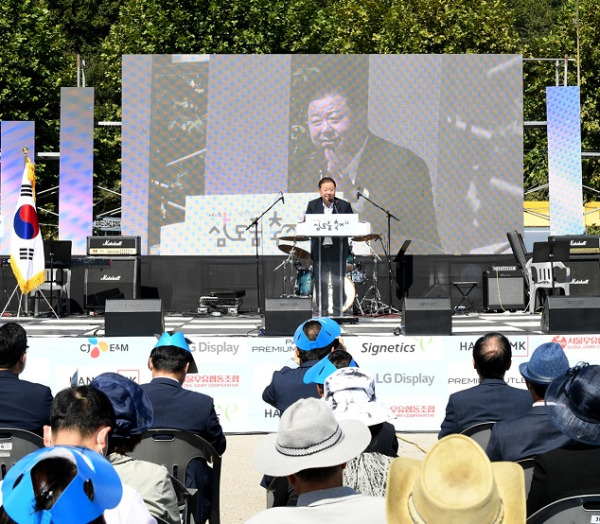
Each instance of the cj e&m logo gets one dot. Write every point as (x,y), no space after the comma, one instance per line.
(96,347)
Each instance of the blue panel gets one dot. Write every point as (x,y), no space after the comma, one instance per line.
(564,160)
(76,166)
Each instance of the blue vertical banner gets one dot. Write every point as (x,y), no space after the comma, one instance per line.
(14,136)
(136,104)
(76,182)
(564,160)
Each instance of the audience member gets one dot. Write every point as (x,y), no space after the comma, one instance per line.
(532,433)
(134,416)
(456,483)
(23,405)
(60,484)
(314,339)
(338,358)
(492,399)
(350,393)
(311,449)
(178,408)
(83,417)
(573,405)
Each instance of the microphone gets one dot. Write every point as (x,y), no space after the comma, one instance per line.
(358,194)
(282,199)
(334,200)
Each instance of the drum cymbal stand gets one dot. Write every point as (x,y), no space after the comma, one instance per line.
(372,302)
(289,281)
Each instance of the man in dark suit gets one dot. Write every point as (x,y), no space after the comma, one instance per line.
(23,405)
(573,406)
(329,253)
(493,399)
(390,175)
(532,434)
(178,408)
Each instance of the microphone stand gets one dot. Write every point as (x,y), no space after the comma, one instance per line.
(389,242)
(254,224)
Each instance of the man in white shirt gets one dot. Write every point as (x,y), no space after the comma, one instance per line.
(83,417)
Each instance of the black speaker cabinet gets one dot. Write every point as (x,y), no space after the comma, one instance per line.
(571,315)
(503,290)
(112,278)
(133,318)
(427,316)
(284,315)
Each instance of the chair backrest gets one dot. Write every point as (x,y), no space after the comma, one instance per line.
(480,433)
(518,248)
(581,509)
(14,445)
(527,464)
(58,276)
(175,448)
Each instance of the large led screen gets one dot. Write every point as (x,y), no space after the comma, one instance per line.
(426,148)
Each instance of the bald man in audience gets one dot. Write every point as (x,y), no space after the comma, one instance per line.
(492,399)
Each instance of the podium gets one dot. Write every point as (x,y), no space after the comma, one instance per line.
(329,252)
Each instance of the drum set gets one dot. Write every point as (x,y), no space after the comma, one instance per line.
(298,278)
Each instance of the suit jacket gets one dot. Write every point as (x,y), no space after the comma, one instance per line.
(396,179)
(178,408)
(315,207)
(563,473)
(490,401)
(23,405)
(287,386)
(529,435)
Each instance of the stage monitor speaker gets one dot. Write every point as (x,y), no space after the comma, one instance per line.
(571,315)
(284,315)
(503,289)
(427,316)
(133,318)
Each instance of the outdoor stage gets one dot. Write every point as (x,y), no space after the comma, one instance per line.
(251,324)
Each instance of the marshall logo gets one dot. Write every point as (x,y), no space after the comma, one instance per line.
(578,243)
(580,281)
(115,278)
(117,243)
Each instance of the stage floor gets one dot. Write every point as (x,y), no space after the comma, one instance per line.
(251,325)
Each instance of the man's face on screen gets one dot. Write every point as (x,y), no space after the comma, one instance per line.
(331,125)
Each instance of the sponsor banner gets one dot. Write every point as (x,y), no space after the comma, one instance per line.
(414,375)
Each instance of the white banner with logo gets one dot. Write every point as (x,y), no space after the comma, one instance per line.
(414,375)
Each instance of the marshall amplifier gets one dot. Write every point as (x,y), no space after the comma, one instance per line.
(113,246)
(585,277)
(580,245)
(503,288)
(116,278)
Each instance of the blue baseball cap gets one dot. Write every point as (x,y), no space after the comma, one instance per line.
(95,487)
(133,409)
(178,340)
(330,330)
(322,369)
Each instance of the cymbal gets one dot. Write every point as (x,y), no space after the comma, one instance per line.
(295,238)
(366,238)
(297,252)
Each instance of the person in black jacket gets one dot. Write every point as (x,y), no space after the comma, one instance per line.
(329,253)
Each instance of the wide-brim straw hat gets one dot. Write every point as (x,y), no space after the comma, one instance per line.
(455,484)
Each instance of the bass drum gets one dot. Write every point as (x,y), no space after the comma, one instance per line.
(304,283)
(350,294)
